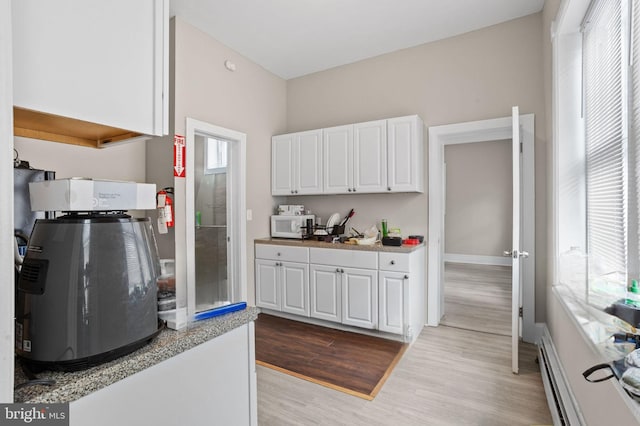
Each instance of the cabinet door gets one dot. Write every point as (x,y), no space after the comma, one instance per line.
(282,170)
(391,301)
(295,288)
(405,154)
(338,159)
(267,286)
(360,298)
(370,156)
(325,296)
(104,62)
(308,163)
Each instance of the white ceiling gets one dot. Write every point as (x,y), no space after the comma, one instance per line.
(292,38)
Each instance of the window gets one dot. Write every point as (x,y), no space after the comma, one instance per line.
(215,156)
(597,84)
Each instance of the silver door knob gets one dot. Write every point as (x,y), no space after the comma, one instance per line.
(515,253)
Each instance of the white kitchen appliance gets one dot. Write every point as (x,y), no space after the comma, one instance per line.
(290,226)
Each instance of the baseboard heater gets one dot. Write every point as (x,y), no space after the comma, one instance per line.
(562,404)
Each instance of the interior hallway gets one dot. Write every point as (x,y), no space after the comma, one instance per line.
(477,297)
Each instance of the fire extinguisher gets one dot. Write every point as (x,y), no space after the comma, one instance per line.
(165,209)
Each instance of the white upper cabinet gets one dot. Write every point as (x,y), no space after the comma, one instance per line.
(405,154)
(338,159)
(104,62)
(355,158)
(296,163)
(370,157)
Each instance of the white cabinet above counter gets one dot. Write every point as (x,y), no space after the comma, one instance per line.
(361,158)
(99,67)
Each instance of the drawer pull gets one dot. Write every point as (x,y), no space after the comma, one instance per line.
(393,262)
(406,277)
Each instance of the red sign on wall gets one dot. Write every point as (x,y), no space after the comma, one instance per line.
(179,156)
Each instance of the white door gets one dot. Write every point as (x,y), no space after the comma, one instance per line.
(295,288)
(370,157)
(267,288)
(324,293)
(515,252)
(282,179)
(337,159)
(359,297)
(308,163)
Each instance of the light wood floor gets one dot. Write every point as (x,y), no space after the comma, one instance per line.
(478,297)
(450,376)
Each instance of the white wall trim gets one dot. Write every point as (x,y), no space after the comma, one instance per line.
(7,296)
(477,259)
(480,131)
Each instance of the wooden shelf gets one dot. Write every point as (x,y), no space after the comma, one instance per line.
(55,128)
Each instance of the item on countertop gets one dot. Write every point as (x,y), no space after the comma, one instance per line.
(333,220)
(632,359)
(347,217)
(411,242)
(391,241)
(385,231)
(290,210)
(394,232)
(630,381)
(417,237)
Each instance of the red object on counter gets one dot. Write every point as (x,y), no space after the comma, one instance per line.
(411,242)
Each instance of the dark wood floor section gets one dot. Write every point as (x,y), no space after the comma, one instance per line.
(346,360)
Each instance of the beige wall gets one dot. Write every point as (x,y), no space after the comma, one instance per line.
(475,76)
(478,198)
(250,100)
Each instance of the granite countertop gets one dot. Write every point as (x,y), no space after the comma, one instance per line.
(377,247)
(70,386)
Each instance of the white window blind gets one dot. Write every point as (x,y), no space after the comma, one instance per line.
(606,153)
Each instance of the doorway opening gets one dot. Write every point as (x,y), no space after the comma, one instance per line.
(472,132)
(215,216)
(478,227)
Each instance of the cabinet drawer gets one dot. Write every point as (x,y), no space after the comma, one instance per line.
(285,253)
(344,258)
(394,262)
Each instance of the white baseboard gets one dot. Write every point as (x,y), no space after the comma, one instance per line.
(477,259)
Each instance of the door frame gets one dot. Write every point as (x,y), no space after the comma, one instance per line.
(470,132)
(237,211)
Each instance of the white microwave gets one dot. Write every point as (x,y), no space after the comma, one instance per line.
(285,226)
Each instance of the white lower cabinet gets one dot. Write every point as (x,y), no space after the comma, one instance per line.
(282,279)
(295,288)
(391,301)
(326,294)
(360,288)
(401,283)
(360,297)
